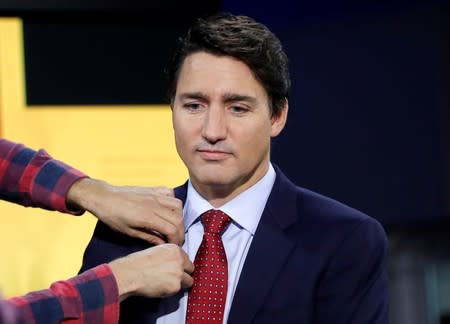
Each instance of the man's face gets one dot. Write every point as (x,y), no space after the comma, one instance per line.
(222,125)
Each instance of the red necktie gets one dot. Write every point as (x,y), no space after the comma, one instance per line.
(206,301)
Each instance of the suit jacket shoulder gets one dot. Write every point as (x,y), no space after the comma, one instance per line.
(312,259)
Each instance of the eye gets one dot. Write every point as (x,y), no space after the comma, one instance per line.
(192,106)
(239,109)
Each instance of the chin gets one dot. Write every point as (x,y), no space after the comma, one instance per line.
(213,180)
(213,175)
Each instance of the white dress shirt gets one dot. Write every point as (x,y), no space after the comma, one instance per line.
(245,211)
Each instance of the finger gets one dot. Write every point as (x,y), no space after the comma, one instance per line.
(151,237)
(164,191)
(186,281)
(175,235)
(170,202)
(167,222)
(170,230)
(188,266)
(161,191)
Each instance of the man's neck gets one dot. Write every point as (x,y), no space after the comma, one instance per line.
(219,195)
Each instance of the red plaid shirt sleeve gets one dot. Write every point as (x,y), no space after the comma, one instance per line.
(91,297)
(33,178)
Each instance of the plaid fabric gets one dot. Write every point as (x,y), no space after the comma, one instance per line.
(34,179)
(91,297)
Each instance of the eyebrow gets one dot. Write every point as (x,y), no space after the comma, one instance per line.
(227,97)
(194,95)
(231,97)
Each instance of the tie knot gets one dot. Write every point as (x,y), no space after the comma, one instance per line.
(215,221)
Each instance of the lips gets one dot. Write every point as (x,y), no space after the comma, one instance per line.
(212,155)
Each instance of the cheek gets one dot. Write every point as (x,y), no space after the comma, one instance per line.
(254,142)
(179,128)
(256,132)
(181,140)
(178,134)
(185,127)
(184,138)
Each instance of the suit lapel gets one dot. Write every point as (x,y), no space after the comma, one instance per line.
(264,262)
(181,192)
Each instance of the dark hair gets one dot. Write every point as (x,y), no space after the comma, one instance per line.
(243,38)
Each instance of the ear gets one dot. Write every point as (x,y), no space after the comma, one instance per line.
(279,120)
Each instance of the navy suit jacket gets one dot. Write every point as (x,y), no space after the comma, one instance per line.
(312,260)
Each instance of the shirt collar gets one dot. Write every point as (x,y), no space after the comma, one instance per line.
(245,209)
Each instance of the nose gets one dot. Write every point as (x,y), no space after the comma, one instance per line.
(214,127)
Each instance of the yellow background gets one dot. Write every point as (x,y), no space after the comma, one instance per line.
(130,145)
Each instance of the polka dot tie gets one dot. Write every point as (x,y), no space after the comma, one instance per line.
(206,301)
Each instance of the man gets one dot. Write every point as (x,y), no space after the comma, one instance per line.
(35,179)
(264,250)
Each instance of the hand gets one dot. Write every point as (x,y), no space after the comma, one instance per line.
(158,271)
(152,214)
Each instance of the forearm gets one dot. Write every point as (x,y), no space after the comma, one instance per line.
(93,292)
(89,194)
(34,178)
